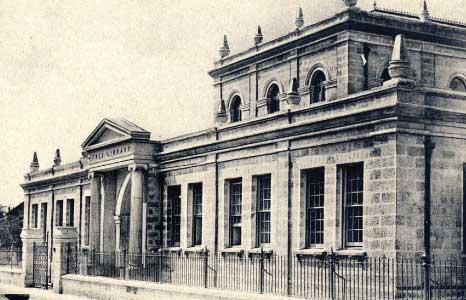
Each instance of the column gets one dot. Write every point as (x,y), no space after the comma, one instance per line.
(117,232)
(108,210)
(94,222)
(136,216)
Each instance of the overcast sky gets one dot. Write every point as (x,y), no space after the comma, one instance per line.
(65,65)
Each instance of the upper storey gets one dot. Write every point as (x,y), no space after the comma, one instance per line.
(345,54)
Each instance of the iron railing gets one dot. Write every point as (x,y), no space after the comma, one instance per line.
(11,257)
(327,276)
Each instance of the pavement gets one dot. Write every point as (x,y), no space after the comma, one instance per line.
(34,294)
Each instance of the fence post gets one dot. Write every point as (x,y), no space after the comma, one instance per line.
(159,269)
(93,262)
(33,250)
(11,257)
(205,257)
(426,268)
(333,260)
(125,264)
(68,258)
(261,274)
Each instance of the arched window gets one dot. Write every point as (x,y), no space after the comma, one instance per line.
(458,84)
(235,109)
(273,104)
(317,87)
(385,75)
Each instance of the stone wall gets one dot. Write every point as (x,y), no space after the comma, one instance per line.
(154,214)
(447,196)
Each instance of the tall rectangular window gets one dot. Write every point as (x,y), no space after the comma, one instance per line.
(352,177)
(174,215)
(70,212)
(87,220)
(315,207)
(235,211)
(196,189)
(59,213)
(263,205)
(34,215)
(43,218)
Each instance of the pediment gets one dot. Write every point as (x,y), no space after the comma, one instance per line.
(111,131)
(108,134)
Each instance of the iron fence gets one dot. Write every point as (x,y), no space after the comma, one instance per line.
(11,257)
(319,277)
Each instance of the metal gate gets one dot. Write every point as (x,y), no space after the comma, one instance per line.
(40,265)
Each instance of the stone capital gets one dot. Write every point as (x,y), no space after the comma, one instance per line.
(117,219)
(137,168)
(93,175)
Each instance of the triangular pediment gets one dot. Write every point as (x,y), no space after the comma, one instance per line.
(107,135)
(111,131)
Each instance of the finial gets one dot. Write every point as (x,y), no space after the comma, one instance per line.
(399,49)
(57,159)
(299,22)
(34,166)
(425,12)
(221,113)
(293,98)
(374,5)
(350,3)
(224,51)
(293,86)
(398,68)
(258,38)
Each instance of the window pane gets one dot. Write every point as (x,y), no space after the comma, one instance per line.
(174,215)
(263,209)
(235,211)
(34,215)
(315,207)
(70,212)
(318,87)
(197,213)
(87,218)
(273,104)
(353,203)
(59,213)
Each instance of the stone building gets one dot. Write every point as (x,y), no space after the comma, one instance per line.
(347,134)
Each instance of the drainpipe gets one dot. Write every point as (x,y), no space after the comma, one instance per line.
(216,206)
(50,245)
(80,212)
(160,179)
(428,148)
(289,248)
(29,209)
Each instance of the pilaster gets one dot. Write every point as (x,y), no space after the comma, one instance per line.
(94,222)
(64,237)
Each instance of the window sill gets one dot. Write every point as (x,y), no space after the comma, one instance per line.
(257,251)
(311,252)
(349,252)
(195,250)
(176,250)
(233,250)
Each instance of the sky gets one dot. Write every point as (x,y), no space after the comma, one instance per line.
(65,65)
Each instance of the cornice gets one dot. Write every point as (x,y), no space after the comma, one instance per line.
(83,174)
(437,31)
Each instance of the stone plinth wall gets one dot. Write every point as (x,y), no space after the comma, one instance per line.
(113,289)
(12,276)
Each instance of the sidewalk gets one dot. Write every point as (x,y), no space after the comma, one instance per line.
(36,293)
